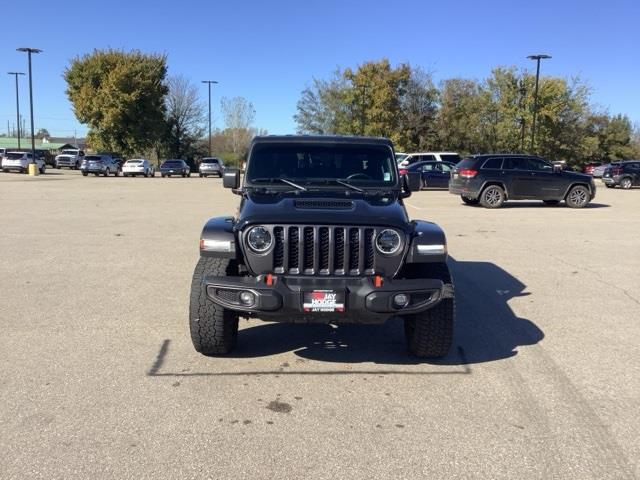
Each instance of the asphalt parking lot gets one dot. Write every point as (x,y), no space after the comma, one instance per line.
(99,378)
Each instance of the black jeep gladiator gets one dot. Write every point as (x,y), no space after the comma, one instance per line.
(322,235)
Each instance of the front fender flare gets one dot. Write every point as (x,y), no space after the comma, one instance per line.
(428,243)
(218,238)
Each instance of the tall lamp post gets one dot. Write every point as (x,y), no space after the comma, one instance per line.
(15,74)
(209,82)
(537,58)
(29,51)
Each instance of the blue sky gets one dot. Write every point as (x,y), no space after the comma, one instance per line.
(269,51)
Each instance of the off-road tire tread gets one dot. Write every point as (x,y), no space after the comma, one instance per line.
(214,329)
(429,334)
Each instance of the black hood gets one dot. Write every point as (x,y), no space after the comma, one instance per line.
(320,208)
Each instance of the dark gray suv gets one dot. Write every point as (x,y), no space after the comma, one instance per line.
(490,180)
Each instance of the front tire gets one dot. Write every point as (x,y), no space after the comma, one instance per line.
(578,197)
(214,329)
(429,334)
(492,197)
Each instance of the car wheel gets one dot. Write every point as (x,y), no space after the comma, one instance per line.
(146,174)
(188,174)
(84,174)
(106,172)
(469,201)
(214,329)
(492,197)
(551,202)
(43,169)
(117,174)
(429,334)
(57,167)
(162,175)
(97,174)
(578,196)
(626,183)
(201,175)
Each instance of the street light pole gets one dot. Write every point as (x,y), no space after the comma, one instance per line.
(29,51)
(209,82)
(537,58)
(15,74)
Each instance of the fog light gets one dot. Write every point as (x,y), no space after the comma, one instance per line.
(247,298)
(401,300)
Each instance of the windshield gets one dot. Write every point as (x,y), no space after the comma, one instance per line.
(364,165)
(14,156)
(172,163)
(401,157)
(93,158)
(134,162)
(450,157)
(69,152)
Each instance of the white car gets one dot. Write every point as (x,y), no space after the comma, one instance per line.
(211,166)
(406,159)
(138,166)
(19,161)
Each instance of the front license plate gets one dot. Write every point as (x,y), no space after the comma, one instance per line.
(322,301)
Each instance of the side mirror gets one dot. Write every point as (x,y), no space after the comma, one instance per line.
(231,178)
(413,181)
(557,168)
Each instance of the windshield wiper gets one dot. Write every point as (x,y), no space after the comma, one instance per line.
(339,182)
(283,180)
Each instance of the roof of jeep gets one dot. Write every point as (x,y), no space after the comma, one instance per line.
(331,139)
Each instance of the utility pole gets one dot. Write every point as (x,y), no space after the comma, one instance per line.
(537,58)
(15,74)
(209,82)
(30,51)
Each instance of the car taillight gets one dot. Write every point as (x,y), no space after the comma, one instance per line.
(403,171)
(468,173)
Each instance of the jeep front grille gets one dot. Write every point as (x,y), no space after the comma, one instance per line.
(324,250)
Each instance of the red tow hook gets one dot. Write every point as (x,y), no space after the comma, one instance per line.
(268,279)
(377,281)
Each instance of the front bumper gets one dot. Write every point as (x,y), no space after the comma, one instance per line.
(210,171)
(66,162)
(609,180)
(364,303)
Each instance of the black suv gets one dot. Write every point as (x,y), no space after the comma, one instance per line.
(322,235)
(490,180)
(626,174)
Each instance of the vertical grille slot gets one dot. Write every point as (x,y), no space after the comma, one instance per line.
(324,250)
(369,254)
(308,250)
(338,261)
(278,251)
(293,249)
(354,249)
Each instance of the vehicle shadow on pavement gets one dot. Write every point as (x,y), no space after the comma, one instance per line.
(539,204)
(486,328)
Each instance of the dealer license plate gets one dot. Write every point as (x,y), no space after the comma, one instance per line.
(323,301)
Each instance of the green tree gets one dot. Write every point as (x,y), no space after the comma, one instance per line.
(121,97)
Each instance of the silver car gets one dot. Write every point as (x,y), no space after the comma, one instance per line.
(99,165)
(211,166)
(598,172)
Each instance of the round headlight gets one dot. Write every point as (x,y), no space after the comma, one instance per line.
(388,242)
(259,239)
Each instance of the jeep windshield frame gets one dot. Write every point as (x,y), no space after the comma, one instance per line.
(323,166)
